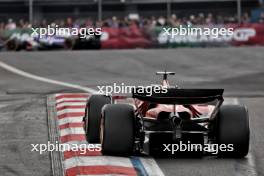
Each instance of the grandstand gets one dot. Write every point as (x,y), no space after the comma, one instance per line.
(61,9)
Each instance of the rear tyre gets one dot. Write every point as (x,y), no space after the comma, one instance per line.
(12,45)
(93,117)
(233,128)
(118,129)
(69,44)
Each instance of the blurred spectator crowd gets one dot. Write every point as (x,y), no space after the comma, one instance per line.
(141,22)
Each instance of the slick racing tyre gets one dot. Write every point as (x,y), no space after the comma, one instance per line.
(93,117)
(117,129)
(69,44)
(233,128)
(12,45)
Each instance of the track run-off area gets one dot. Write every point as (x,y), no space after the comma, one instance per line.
(27,79)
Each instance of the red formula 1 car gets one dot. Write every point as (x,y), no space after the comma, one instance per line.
(168,122)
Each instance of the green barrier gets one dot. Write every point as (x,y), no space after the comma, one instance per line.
(18,32)
(162,39)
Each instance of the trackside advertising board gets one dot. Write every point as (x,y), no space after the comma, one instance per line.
(158,37)
(247,34)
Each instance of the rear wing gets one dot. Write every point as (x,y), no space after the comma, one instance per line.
(180,96)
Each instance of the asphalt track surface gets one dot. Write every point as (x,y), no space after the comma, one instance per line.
(23,115)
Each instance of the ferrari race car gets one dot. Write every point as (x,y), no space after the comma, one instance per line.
(160,123)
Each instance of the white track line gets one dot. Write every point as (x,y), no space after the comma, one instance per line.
(102,175)
(151,167)
(69,131)
(70,99)
(42,79)
(65,111)
(62,94)
(70,120)
(3,105)
(71,104)
(97,161)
